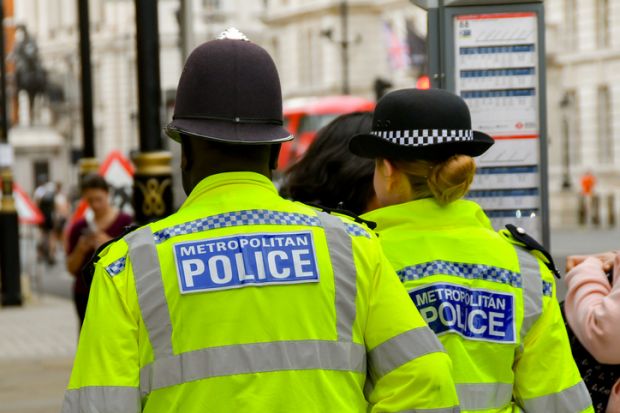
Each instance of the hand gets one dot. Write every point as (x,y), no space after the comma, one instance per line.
(606,258)
(85,243)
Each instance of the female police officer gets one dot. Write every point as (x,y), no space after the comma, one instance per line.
(491,302)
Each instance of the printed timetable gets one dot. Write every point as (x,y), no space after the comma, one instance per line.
(496,73)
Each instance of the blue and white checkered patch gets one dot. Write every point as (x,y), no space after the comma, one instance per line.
(356,231)
(116,267)
(248,217)
(547,288)
(459,269)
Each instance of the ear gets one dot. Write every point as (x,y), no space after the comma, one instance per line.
(388,171)
(186,154)
(614,398)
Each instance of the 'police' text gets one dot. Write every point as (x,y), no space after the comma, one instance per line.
(246,260)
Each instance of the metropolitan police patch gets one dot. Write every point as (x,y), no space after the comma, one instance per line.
(246,260)
(472,313)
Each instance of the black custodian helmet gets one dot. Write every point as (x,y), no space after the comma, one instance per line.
(229,92)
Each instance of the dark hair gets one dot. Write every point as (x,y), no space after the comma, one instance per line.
(94,181)
(329,174)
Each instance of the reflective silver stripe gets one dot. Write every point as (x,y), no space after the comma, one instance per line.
(572,400)
(401,349)
(482,396)
(532,289)
(345,274)
(253,358)
(455,409)
(102,399)
(150,289)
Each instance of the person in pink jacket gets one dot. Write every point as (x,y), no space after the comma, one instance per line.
(592,309)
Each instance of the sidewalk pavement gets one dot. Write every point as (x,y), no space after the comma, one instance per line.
(37,345)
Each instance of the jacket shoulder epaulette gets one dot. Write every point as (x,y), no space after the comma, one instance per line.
(346,213)
(88,271)
(517,235)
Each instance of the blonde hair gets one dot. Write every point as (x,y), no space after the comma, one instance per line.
(446,180)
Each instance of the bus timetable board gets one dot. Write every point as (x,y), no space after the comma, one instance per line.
(496,71)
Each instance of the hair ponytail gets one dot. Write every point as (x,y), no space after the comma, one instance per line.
(450,180)
(446,180)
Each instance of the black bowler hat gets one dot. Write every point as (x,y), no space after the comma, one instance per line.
(229,91)
(420,124)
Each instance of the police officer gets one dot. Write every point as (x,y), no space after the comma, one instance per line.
(243,301)
(490,299)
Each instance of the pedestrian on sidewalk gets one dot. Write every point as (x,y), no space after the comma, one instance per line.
(243,301)
(592,309)
(101,224)
(44,197)
(328,174)
(491,301)
(588,182)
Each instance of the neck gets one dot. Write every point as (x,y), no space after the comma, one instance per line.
(197,176)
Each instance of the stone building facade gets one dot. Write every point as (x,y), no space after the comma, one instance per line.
(583,104)
(304,36)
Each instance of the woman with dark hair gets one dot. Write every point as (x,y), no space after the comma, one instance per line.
(329,174)
(87,234)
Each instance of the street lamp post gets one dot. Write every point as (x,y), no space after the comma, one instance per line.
(10,265)
(152,193)
(88,163)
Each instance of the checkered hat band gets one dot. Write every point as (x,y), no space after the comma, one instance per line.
(248,217)
(424,137)
(462,270)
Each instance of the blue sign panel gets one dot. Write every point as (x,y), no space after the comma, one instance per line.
(246,260)
(472,313)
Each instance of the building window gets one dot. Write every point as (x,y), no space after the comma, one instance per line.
(311,62)
(604,130)
(41,172)
(571,129)
(303,39)
(212,5)
(275,50)
(570,21)
(602,23)
(575,129)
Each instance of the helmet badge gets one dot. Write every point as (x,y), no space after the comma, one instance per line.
(232,34)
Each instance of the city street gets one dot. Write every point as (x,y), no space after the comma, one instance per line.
(108,106)
(38,340)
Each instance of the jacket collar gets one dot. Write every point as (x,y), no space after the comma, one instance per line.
(217,182)
(428,214)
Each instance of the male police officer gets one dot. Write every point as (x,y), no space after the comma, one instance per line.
(243,301)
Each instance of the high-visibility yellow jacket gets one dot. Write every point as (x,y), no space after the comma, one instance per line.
(492,304)
(245,302)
